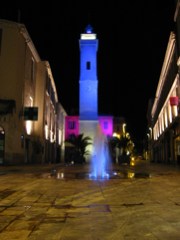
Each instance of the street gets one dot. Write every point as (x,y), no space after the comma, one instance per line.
(52,202)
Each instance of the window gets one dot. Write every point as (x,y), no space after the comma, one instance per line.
(71,125)
(88,65)
(105,125)
(0,39)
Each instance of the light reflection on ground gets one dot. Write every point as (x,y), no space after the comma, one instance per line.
(110,175)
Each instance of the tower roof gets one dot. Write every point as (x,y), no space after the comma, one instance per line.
(88,34)
(89,29)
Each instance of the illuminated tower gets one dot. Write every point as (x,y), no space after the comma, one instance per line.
(88,99)
(88,83)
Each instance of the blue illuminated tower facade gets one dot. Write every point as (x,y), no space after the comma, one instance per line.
(89,122)
(88,83)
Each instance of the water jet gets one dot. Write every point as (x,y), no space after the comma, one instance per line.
(100,158)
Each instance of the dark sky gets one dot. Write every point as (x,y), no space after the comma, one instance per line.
(133,37)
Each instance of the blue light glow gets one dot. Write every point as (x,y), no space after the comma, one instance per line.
(100,161)
(88,83)
(89,29)
(88,106)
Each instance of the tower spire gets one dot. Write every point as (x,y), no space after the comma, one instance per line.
(89,29)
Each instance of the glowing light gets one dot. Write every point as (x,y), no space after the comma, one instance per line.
(116,135)
(127,135)
(106,124)
(165,118)
(124,128)
(131,175)
(60,137)
(169,113)
(132,162)
(88,36)
(60,175)
(174,101)
(31,101)
(89,29)
(175,110)
(71,126)
(46,131)
(52,137)
(28,127)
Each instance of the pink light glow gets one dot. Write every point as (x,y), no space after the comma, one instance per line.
(174,101)
(71,126)
(106,123)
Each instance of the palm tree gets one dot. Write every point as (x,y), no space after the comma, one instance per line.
(124,146)
(127,146)
(79,145)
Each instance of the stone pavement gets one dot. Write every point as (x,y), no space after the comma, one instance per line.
(53,202)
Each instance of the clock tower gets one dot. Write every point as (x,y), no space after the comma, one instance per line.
(88,83)
(88,122)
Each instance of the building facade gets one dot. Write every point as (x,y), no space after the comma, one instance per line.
(30,125)
(163,116)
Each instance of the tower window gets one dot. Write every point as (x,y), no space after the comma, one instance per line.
(72,125)
(88,65)
(105,125)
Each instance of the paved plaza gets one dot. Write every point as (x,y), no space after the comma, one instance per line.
(57,202)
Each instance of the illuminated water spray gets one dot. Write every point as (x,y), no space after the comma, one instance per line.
(100,162)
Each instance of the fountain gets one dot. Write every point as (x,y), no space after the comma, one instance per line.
(100,160)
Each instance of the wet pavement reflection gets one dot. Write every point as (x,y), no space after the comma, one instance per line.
(111,175)
(59,202)
(125,171)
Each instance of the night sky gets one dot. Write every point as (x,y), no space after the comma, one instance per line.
(133,37)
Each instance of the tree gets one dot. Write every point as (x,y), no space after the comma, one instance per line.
(125,148)
(78,150)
